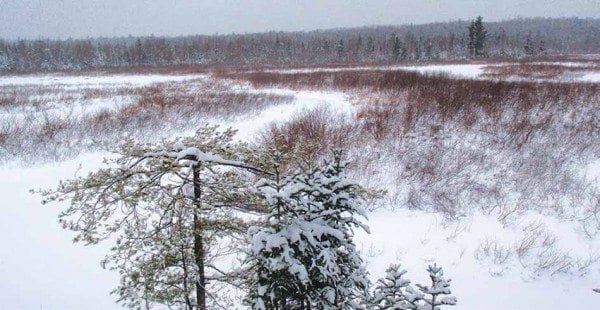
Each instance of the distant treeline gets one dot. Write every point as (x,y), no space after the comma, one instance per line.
(438,41)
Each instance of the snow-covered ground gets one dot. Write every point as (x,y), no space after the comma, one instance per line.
(459,70)
(593,77)
(52,104)
(100,81)
(304,101)
(416,239)
(462,70)
(469,71)
(41,269)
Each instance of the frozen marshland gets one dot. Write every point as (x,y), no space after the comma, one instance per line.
(504,197)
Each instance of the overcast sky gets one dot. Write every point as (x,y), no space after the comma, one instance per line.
(85,18)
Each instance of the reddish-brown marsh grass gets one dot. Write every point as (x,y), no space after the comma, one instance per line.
(548,71)
(311,134)
(157,111)
(435,95)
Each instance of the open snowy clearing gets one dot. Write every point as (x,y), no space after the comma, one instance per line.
(458,70)
(468,71)
(591,77)
(94,80)
(39,265)
(41,269)
(60,88)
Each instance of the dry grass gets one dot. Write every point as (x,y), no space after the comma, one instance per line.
(459,145)
(310,135)
(536,250)
(539,71)
(438,94)
(49,129)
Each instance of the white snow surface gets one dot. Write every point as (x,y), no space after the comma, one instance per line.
(593,77)
(100,80)
(417,239)
(53,105)
(561,63)
(471,71)
(41,269)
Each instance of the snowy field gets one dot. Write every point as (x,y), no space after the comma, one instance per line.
(41,269)
(472,71)
(465,71)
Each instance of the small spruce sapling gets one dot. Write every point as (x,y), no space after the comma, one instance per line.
(304,257)
(395,292)
(438,294)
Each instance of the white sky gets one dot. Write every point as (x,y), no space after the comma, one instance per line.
(84,18)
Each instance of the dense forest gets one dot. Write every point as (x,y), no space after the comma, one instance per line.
(376,44)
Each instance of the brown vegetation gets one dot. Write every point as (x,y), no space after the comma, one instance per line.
(433,95)
(451,145)
(48,128)
(539,70)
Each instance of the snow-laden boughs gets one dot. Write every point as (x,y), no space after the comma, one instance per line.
(395,292)
(165,207)
(304,256)
(438,294)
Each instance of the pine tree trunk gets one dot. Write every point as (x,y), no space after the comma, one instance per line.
(198,243)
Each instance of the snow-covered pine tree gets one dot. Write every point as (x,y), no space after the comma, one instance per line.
(395,292)
(304,256)
(278,250)
(165,206)
(341,278)
(438,294)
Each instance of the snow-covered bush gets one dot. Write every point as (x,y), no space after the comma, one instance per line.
(395,292)
(304,255)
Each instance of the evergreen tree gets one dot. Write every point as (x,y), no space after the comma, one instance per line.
(438,294)
(542,48)
(165,206)
(477,38)
(341,50)
(396,47)
(304,256)
(528,47)
(370,47)
(359,48)
(395,292)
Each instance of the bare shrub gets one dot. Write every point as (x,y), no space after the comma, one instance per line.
(536,250)
(493,251)
(538,70)
(310,135)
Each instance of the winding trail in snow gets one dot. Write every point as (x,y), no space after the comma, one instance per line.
(249,128)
